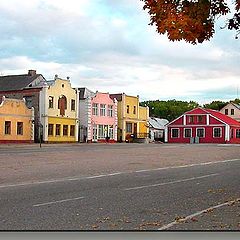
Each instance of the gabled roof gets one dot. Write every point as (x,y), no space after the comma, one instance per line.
(84,93)
(158,123)
(236,105)
(223,117)
(17,82)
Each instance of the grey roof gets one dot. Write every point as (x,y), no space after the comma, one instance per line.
(16,82)
(50,82)
(158,123)
(84,93)
(236,105)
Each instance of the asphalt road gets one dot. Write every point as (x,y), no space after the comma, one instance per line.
(195,197)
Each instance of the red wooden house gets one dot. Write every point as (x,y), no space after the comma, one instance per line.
(203,126)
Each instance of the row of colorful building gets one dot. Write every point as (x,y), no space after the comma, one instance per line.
(33,109)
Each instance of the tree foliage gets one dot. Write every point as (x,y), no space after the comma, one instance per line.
(215,105)
(191,20)
(170,109)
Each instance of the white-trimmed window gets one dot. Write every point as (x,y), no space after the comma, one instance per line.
(50,101)
(187,132)
(129,127)
(200,132)
(217,132)
(175,132)
(7,127)
(102,109)
(200,118)
(110,130)
(95,109)
(237,133)
(100,131)
(110,110)
(191,119)
(19,128)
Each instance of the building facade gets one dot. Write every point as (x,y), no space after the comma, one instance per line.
(97,116)
(132,118)
(28,86)
(157,128)
(203,126)
(59,111)
(16,121)
(232,110)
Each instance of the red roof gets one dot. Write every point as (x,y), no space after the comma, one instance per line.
(224,118)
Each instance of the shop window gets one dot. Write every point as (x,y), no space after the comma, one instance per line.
(58,129)
(65,130)
(50,129)
(7,127)
(19,128)
(72,130)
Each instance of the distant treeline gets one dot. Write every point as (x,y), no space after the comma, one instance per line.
(172,109)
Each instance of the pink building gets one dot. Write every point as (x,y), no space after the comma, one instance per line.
(97,116)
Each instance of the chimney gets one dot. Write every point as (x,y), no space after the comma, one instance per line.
(32,72)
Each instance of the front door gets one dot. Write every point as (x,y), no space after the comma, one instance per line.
(95,137)
(135,129)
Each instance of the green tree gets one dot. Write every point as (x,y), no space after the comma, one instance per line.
(215,105)
(170,109)
(191,20)
(236,100)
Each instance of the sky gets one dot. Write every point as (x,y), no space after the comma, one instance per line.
(107,45)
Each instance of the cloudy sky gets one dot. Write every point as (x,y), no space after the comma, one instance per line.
(107,45)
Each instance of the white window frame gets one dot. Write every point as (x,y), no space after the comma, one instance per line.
(203,132)
(178,132)
(110,110)
(236,133)
(128,124)
(220,132)
(102,110)
(100,131)
(111,132)
(184,132)
(95,109)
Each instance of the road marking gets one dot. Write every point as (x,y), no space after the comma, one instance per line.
(172,182)
(187,165)
(60,201)
(113,174)
(167,226)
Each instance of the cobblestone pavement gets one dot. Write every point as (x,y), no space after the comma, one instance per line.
(23,163)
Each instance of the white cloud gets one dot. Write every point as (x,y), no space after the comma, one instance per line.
(108,46)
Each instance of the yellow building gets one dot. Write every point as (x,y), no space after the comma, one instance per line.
(16,121)
(59,108)
(132,118)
